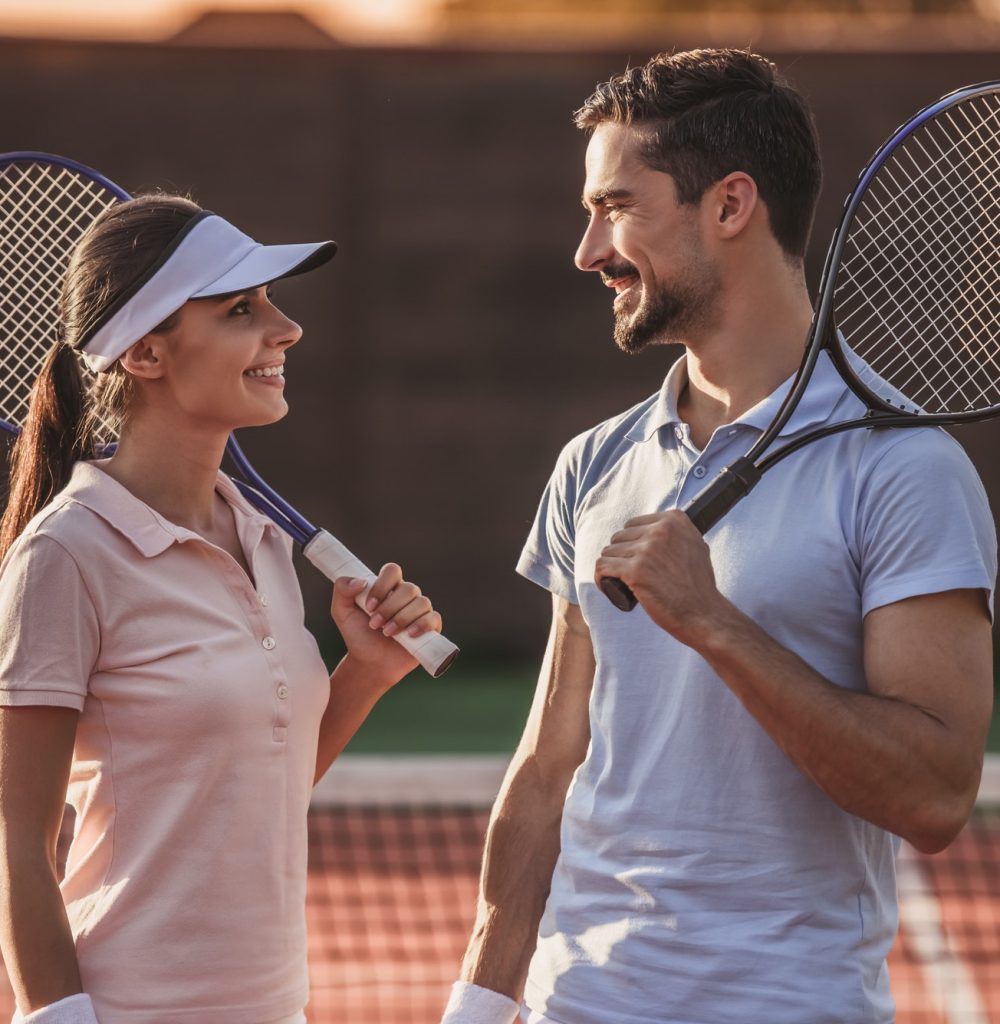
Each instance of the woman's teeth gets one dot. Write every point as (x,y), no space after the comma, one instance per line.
(267,371)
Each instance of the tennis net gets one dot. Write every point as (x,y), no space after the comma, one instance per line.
(393,895)
(392,885)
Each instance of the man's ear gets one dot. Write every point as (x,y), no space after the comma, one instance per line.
(143,359)
(732,202)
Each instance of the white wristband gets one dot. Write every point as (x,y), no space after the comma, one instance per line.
(76,1009)
(473,1004)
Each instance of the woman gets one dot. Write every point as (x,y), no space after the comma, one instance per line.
(152,652)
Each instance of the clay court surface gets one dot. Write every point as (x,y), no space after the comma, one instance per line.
(392,892)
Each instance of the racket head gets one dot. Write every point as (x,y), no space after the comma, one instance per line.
(47,203)
(910,299)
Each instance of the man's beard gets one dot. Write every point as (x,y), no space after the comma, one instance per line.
(668,315)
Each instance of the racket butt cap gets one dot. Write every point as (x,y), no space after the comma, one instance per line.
(618,593)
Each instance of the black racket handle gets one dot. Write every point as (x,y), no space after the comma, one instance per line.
(705,509)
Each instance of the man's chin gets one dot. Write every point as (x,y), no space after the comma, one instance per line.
(633,337)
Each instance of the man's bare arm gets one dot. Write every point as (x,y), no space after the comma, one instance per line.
(522,841)
(907,755)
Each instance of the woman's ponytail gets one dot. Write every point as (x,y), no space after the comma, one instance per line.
(51,440)
(66,418)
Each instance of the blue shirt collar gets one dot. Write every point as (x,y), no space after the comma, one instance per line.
(826,389)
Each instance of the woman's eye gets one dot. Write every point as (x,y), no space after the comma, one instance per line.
(240,308)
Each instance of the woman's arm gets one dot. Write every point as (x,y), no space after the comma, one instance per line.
(374,663)
(36,751)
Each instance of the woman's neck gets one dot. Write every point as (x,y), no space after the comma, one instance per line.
(174,472)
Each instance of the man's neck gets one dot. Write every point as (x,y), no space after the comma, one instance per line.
(734,367)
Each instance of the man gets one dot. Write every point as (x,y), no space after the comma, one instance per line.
(698,824)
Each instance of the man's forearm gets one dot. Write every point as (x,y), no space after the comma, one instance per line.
(881,759)
(522,845)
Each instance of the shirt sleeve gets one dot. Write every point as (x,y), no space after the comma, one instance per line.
(548,557)
(49,631)
(924,522)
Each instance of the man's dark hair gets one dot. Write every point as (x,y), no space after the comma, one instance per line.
(707,113)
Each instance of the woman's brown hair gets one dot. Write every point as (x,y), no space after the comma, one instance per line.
(64,414)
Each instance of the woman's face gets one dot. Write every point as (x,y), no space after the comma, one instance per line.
(224,359)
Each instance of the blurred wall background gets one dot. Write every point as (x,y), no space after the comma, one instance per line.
(451,348)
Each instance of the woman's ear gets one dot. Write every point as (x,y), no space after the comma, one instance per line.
(143,359)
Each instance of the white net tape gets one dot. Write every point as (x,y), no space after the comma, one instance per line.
(917,297)
(44,210)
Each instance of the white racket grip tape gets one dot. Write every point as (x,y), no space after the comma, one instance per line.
(76,1009)
(434,651)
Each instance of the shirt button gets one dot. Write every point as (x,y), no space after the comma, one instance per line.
(678,433)
(699,471)
(268,643)
(263,600)
(282,692)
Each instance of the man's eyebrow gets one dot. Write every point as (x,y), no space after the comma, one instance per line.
(604,195)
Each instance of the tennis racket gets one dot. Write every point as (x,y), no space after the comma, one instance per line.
(909,300)
(46,204)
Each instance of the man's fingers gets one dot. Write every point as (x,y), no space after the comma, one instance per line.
(614,565)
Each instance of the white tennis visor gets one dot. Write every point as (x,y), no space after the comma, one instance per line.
(208,258)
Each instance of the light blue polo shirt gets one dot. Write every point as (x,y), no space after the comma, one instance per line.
(702,878)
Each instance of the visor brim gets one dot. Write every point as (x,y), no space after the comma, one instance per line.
(267,263)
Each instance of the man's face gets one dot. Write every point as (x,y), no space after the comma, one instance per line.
(645,245)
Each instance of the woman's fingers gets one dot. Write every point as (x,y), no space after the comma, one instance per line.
(393,604)
(387,580)
(345,593)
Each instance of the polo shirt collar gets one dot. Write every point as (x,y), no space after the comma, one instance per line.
(825,390)
(148,531)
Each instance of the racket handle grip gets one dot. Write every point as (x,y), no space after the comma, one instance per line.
(434,651)
(705,509)
(711,503)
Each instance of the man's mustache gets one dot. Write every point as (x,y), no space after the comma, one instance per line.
(618,271)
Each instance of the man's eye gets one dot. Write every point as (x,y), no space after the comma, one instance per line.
(241,308)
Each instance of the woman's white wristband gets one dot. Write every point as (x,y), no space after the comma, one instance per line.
(473,1004)
(76,1009)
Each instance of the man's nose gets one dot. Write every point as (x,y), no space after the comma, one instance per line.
(595,248)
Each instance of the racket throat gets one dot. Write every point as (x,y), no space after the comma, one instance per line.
(711,503)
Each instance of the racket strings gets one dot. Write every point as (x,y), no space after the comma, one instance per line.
(44,211)
(929,290)
(917,298)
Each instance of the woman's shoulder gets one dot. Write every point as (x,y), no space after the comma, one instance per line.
(62,523)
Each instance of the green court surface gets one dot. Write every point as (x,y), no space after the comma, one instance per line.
(478,707)
(474,708)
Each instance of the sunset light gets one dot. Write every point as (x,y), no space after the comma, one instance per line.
(153,20)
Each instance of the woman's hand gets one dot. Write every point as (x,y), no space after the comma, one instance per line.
(393,606)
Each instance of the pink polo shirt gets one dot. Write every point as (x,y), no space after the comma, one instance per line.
(200,699)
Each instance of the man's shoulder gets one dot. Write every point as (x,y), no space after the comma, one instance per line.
(924,449)
(604,443)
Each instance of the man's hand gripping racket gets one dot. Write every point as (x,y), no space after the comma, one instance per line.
(46,204)
(909,301)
